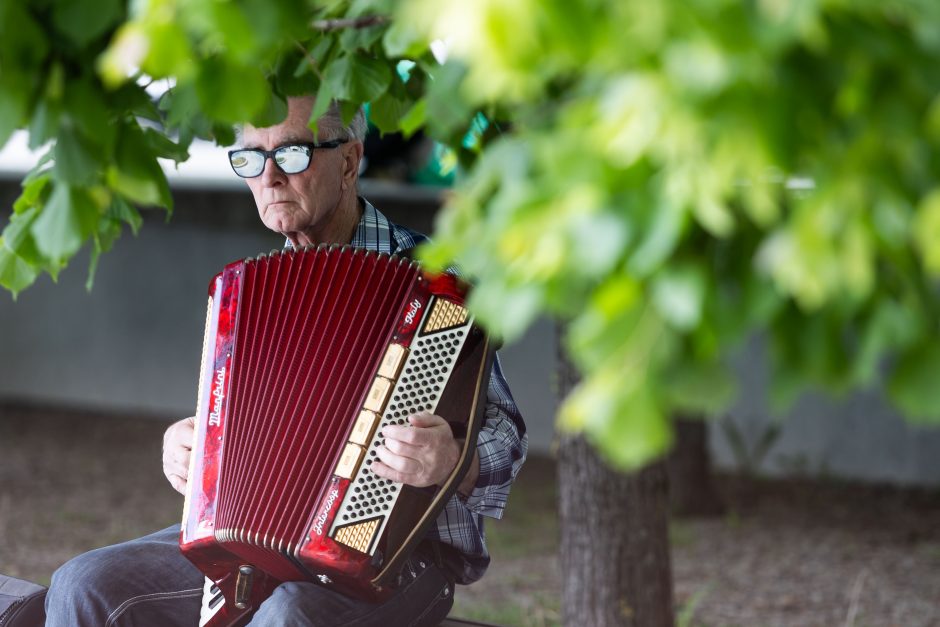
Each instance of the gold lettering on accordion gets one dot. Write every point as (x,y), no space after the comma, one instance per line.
(362,430)
(444,315)
(393,361)
(349,461)
(358,536)
(375,400)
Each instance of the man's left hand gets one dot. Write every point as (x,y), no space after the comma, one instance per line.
(421,455)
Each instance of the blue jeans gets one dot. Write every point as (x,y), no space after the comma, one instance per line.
(148,583)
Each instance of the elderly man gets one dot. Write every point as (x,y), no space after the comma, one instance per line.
(305,189)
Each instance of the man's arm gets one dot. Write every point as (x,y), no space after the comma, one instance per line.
(501,450)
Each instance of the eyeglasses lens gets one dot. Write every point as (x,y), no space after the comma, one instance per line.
(247,163)
(292,159)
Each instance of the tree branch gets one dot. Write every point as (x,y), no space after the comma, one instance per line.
(357,22)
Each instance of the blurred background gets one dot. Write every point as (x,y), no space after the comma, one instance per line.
(829,514)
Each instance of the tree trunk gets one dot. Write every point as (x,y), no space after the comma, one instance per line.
(615,561)
(691,489)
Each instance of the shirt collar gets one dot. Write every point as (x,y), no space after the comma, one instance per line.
(374,231)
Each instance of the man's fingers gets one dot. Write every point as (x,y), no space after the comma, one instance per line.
(178,483)
(402,464)
(402,448)
(385,472)
(426,419)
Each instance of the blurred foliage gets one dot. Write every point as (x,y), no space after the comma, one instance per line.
(667,177)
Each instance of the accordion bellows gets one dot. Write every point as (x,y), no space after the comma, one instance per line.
(308,354)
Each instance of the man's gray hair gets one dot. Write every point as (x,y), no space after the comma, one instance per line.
(330,125)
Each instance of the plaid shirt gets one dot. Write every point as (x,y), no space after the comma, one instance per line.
(501,445)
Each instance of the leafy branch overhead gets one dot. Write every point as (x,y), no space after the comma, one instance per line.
(668,177)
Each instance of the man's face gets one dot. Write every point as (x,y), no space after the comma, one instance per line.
(306,207)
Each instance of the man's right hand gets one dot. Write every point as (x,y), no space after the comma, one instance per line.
(177,449)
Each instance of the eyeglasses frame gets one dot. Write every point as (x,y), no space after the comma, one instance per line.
(269,154)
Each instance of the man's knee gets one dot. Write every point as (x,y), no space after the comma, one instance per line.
(73,584)
(284,607)
(70,576)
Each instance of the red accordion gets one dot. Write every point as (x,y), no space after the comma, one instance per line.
(307,355)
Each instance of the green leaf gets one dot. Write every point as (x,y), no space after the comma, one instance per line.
(231,93)
(404,40)
(598,241)
(14,92)
(660,239)
(294,76)
(83,21)
(75,164)
(353,39)
(108,231)
(273,113)
(357,78)
(15,274)
(23,42)
(445,113)
(913,387)
(133,99)
(386,112)
(85,104)
(678,294)
(42,168)
(927,232)
(168,50)
(32,194)
(44,124)
(136,173)
(700,388)
(321,104)
(506,312)
(122,210)
(619,414)
(162,146)
(415,119)
(66,221)
(18,230)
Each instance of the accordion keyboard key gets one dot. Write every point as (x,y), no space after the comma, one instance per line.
(212,602)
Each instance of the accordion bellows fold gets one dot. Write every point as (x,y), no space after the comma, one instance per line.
(307,355)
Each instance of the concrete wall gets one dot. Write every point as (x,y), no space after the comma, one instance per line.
(859,436)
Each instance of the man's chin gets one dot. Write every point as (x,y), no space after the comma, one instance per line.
(278,221)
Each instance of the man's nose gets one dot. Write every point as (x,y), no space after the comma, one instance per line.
(271,175)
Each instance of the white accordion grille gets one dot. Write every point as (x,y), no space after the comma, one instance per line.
(422,379)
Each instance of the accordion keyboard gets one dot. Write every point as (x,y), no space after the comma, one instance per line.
(365,509)
(212,602)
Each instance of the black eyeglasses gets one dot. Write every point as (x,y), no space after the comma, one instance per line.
(289,158)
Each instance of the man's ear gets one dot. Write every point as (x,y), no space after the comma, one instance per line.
(352,157)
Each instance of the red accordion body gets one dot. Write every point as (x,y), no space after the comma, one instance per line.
(307,356)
